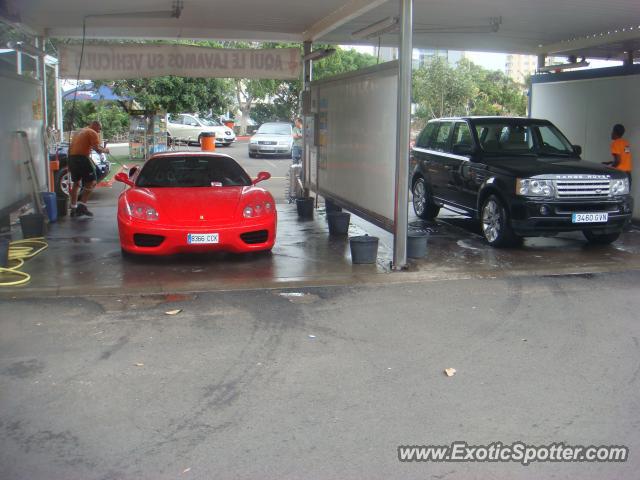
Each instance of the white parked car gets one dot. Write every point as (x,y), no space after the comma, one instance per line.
(274,138)
(189,128)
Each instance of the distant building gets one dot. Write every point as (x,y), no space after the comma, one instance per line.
(420,57)
(386,54)
(425,56)
(519,67)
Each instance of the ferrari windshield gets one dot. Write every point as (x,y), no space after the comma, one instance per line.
(192,171)
(275,129)
(522,138)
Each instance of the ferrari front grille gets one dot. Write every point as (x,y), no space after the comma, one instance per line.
(251,238)
(146,240)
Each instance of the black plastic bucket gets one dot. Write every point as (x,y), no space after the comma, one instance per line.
(338,223)
(417,244)
(331,207)
(4,253)
(62,201)
(364,249)
(305,207)
(32,225)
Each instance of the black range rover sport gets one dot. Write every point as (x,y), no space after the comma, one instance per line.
(520,177)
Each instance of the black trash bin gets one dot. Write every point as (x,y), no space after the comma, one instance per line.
(364,249)
(4,253)
(338,223)
(305,207)
(32,225)
(417,244)
(63,204)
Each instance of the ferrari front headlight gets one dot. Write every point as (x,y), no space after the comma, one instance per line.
(142,211)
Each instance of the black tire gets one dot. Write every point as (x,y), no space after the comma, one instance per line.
(227,144)
(494,220)
(600,238)
(200,140)
(63,181)
(128,255)
(423,205)
(253,155)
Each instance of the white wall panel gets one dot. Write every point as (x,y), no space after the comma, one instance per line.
(20,109)
(586,110)
(356,139)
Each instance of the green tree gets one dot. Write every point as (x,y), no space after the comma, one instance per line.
(498,94)
(442,90)
(342,61)
(114,118)
(177,94)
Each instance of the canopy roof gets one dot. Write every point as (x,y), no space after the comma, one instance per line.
(87,91)
(602,29)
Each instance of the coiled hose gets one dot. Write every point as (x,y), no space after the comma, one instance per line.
(19,251)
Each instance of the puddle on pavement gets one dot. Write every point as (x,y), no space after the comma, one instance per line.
(301,298)
(124,303)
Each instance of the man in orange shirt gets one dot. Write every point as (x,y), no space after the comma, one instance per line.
(621,151)
(82,168)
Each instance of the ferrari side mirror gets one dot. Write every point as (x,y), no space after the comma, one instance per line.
(262,176)
(122,177)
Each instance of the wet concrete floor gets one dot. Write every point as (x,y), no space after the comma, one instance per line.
(84,257)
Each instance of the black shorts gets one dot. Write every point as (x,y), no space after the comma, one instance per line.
(82,168)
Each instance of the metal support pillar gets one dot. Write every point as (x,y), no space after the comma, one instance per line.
(401,210)
(307,76)
(628,60)
(43,76)
(542,60)
(59,118)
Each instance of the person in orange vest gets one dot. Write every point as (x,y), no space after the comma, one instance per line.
(82,168)
(621,151)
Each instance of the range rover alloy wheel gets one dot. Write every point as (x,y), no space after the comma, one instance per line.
(495,224)
(422,203)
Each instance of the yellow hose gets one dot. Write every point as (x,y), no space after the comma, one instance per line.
(20,250)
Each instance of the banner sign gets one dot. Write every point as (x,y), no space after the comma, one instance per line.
(117,62)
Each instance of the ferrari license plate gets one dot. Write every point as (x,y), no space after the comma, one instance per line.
(202,238)
(589,217)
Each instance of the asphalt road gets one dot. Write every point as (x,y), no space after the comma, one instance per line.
(320,383)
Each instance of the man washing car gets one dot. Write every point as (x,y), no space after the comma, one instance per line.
(82,168)
(621,151)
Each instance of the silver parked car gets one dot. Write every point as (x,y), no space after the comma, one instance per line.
(274,138)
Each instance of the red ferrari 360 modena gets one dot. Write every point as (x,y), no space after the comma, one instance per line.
(194,202)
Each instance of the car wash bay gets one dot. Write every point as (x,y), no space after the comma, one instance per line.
(350,22)
(84,257)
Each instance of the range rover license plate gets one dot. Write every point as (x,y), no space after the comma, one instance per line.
(589,217)
(202,238)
